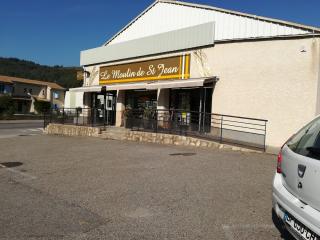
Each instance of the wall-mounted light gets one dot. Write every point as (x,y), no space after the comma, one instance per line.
(87,74)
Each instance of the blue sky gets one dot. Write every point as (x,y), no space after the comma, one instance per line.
(53,32)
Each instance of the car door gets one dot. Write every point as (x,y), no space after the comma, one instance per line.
(301,164)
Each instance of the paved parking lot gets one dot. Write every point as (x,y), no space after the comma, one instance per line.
(15,128)
(87,188)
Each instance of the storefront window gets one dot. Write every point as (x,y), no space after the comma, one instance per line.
(185,99)
(141,100)
(191,99)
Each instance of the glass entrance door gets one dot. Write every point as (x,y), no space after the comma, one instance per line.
(104,108)
(192,107)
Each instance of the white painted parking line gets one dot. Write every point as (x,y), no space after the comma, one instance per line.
(251,226)
(228,232)
(230,229)
(25,175)
(33,130)
(20,132)
(7,136)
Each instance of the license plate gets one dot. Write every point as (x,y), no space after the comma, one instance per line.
(299,228)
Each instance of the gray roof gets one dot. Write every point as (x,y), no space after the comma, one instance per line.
(310,29)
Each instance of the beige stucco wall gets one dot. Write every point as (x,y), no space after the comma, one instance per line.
(36,90)
(275,80)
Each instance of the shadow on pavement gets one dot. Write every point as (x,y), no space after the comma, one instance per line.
(183,154)
(280,226)
(11,164)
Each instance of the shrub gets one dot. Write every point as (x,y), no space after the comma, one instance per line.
(6,106)
(42,106)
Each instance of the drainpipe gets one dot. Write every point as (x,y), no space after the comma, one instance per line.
(200,109)
(318,70)
(318,102)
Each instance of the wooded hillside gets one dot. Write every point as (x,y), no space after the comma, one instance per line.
(64,76)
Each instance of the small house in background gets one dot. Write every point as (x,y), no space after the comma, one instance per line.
(25,91)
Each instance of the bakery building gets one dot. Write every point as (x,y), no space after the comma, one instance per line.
(194,65)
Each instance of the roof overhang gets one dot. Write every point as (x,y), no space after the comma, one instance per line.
(182,39)
(22,98)
(86,89)
(126,86)
(185,83)
(195,82)
(40,98)
(311,29)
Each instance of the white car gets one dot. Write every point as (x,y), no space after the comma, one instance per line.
(296,184)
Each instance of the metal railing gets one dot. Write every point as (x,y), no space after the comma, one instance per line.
(237,130)
(80,116)
(223,128)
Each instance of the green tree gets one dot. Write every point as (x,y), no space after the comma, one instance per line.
(42,106)
(6,106)
(64,76)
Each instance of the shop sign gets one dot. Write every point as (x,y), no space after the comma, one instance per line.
(159,69)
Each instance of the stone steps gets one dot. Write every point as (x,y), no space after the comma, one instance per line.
(114,133)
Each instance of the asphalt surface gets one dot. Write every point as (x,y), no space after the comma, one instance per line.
(87,188)
(16,128)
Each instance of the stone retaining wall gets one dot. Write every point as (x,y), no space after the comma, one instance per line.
(72,130)
(162,138)
(168,139)
(138,136)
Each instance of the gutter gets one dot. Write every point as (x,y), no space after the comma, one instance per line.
(318,89)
